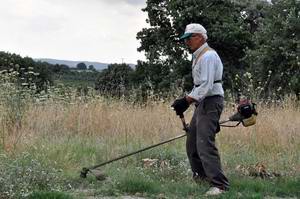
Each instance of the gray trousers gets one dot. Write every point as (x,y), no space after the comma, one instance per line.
(200,144)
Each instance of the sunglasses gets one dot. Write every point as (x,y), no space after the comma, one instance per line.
(189,38)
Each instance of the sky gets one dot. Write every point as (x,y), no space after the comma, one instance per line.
(78,30)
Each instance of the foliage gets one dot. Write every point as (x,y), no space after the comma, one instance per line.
(81,66)
(59,69)
(154,77)
(58,133)
(15,93)
(40,76)
(91,67)
(228,33)
(277,49)
(25,66)
(114,80)
(25,174)
(76,78)
(253,37)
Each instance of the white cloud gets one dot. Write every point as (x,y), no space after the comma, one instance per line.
(89,30)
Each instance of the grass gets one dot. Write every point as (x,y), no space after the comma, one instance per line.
(149,184)
(56,139)
(49,195)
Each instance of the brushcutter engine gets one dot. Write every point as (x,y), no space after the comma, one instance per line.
(246,113)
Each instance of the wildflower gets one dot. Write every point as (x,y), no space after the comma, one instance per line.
(279,89)
(15,73)
(247,74)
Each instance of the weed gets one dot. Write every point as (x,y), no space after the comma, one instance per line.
(24,174)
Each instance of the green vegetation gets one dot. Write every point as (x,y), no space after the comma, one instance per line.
(23,174)
(256,40)
(53,121)
(26,69)
(42,153)
(44,75)
(37,170)
(81,66)
(257,37)
(49,195)
(76,78)
(115,80)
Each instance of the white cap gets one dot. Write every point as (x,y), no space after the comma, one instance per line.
(194,28)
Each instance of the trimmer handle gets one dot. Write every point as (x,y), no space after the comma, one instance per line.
(184,124)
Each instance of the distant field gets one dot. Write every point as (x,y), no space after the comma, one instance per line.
(76,79)
(46,148)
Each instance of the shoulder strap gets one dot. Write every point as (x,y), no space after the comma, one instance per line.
(202,53)
(199,56)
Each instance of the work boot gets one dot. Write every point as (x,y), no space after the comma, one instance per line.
(214,191)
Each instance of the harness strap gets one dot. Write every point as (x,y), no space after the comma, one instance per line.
(199,56)
(217,81)
(202,53)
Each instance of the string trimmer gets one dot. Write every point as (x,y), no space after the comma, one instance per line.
(246,114)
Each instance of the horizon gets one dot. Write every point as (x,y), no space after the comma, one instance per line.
(82,61)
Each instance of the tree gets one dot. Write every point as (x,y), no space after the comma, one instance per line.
(228,33)
(115,80)
(276,56)
(81,66)
(59,68)
(92,68)
(28,70)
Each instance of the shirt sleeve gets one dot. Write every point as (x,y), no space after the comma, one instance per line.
(204,76)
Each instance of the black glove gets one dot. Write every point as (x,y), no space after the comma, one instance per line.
(180,105)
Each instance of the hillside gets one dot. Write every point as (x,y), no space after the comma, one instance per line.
(98,65)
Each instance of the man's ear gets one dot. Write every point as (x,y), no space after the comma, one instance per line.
(202,39)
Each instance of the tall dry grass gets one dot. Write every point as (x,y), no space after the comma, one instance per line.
(273,141)
(117,127)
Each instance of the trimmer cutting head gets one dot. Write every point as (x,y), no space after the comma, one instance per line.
(97,173)
(84,172)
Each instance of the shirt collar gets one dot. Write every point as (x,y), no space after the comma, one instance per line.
(199,50)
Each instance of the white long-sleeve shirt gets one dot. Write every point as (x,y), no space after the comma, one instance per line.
(209,68)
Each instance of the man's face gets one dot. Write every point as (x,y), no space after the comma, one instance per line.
(194,42)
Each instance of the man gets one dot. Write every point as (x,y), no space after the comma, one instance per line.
(208,96)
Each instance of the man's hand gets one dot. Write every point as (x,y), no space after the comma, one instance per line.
(180,105)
